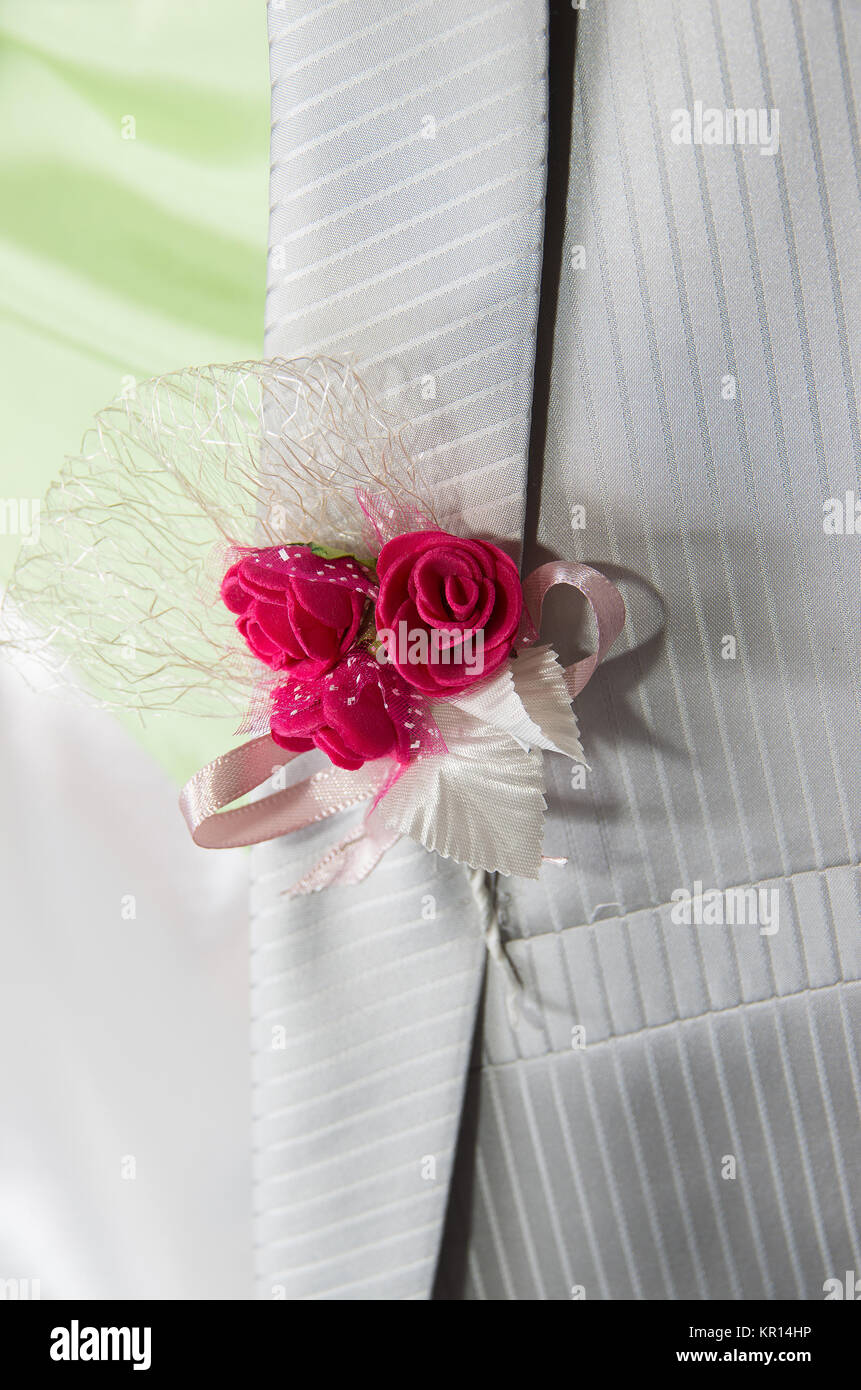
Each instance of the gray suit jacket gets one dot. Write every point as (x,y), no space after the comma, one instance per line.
(676,1114)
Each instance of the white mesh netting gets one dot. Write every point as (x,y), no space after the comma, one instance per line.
(122,581)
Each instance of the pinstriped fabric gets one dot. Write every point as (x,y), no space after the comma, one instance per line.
(362,1019)
(623,976)
(710,1158)
(407,205)
(703,410)
(703,413)
(602,1124)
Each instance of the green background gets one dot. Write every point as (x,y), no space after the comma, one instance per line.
(122,258)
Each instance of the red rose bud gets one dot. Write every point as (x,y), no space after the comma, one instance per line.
(298,611)
(448,610)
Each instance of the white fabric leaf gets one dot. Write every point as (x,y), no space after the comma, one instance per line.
(530,701)
(540,682)
(481,803)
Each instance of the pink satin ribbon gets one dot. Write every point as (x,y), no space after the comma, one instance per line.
(240,771)
(246,767)
(604,599)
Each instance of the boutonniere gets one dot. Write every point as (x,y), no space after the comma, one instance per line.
(264,536)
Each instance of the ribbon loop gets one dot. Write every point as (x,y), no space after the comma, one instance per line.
(246,767)
(604,599)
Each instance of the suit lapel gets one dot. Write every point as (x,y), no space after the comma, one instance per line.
(407,204)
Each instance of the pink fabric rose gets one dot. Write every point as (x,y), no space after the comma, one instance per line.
(357,713)
(298,612)
(450,608)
